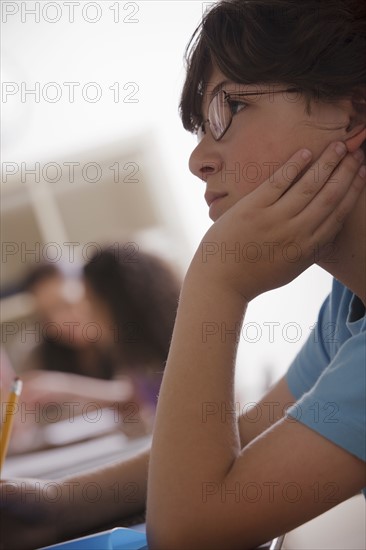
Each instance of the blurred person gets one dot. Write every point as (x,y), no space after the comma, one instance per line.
(63,311)
(105,334)
(135,299)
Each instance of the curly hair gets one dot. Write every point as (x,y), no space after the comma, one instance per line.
(318,47)
(141,292)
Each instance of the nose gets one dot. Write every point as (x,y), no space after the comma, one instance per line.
(205,159)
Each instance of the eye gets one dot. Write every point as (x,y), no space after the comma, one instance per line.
(236,105)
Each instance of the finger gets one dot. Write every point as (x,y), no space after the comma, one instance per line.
(333,223)
(316,177)
(344,182)
(283,178)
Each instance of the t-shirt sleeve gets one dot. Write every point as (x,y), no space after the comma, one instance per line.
(314,356)
(331,393)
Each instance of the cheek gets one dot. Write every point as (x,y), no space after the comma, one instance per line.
(266,144)
(253,164)
(269,152)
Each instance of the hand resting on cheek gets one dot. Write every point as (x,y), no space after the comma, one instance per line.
(277,231)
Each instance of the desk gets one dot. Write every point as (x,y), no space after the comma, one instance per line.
(76,458)
(73,459)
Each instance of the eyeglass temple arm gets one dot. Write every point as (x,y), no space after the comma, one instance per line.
(260,93)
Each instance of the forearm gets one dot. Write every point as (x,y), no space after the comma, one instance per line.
(38,512)
(104,495)
(196,418)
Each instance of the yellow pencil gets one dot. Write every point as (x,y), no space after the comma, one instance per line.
(11,408)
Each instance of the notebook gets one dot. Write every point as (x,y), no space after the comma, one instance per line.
(119,538)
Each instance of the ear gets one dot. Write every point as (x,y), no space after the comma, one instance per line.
(358,137)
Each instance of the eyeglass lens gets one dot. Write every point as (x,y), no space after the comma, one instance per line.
(219,114)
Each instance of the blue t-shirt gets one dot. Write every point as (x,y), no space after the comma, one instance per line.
(327,377)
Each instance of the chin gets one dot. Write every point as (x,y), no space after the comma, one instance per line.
(218,208)
(215,217)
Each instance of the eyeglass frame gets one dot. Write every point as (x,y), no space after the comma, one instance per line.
(239,94)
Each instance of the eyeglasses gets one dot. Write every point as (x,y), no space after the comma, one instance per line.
(222,109)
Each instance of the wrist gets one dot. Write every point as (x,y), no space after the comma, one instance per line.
(205,279)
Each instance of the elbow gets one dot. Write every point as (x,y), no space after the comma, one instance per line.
(164,535)
(213,531)
(163,541)
(173,538)
(178,534)
(173,532)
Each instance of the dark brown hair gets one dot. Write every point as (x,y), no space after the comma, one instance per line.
(317,46)
(142,293)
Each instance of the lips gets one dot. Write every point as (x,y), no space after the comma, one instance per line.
(211,196)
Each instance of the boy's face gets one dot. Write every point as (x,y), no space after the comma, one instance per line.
(265,131)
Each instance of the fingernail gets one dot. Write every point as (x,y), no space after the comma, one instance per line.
(306,154)
(362,171)
(358,155)
(340,149)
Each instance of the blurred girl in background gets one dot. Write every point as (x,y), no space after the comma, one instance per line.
(105,335)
